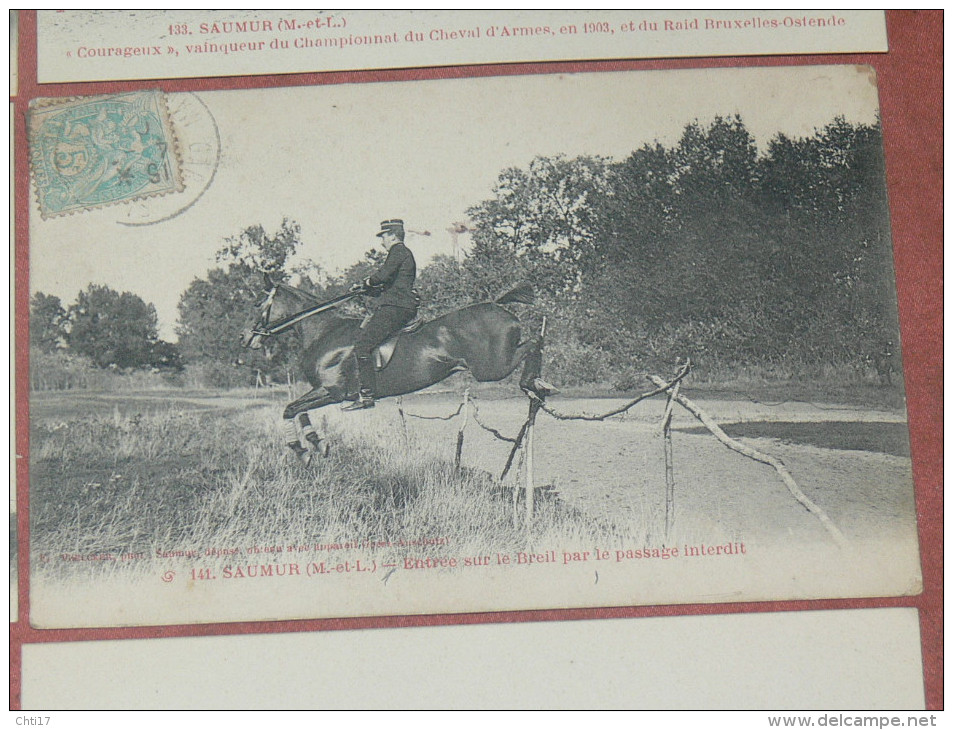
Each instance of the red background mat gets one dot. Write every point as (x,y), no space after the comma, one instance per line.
(910,78)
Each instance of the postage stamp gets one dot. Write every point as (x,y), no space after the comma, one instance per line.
(91,152)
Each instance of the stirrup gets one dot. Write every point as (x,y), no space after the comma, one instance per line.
(360,404)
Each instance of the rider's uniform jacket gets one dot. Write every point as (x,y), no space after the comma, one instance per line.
(397,276)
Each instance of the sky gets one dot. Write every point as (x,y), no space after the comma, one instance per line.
(339,159)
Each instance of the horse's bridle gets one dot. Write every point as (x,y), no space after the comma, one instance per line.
(264,328)
(261,326)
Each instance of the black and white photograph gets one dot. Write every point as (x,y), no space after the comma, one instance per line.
(464,345)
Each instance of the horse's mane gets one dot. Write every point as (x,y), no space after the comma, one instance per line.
(300,293)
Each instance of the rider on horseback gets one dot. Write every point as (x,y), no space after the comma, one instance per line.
(393,283)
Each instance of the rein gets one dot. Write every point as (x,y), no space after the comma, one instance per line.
(291,320)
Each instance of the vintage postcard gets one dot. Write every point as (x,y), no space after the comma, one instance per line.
(464,345)
(697,662)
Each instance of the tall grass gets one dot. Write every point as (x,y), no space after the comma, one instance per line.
(62,371)
(52,371)
(119,485)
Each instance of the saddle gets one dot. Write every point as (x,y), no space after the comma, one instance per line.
(385,351)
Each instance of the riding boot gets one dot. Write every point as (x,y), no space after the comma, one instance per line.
(367,384)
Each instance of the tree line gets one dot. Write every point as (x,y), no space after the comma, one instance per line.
(709,249)
(114,330)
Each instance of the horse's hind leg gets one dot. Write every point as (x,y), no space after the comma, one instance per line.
(530,379)
(532,363)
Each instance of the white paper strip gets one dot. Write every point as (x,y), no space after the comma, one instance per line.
(101,45)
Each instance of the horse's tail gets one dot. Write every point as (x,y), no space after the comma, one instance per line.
(522,293)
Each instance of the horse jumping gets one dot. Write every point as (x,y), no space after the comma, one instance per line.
(485,339)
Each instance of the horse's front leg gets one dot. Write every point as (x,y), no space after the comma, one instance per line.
(301,436)
(293,438)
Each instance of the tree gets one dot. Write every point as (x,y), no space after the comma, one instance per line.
(165,356)
(255,250)
(214,309)
(633,245)
(679,232)
(446,284)
(47,323)
(542,219)
(717,241)
(747,257)
(115,330)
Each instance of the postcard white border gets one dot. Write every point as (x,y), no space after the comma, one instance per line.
(109,45)
(867,659)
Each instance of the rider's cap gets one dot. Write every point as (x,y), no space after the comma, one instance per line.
(395,226)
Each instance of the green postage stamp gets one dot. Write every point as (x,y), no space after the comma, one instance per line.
(90,152)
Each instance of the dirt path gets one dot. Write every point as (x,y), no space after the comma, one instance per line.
(614,470)
(73,405)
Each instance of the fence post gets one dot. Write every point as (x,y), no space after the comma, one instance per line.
(466,409)
(403,418)
(669,462)
(530,480)
(756,455)
(534,405)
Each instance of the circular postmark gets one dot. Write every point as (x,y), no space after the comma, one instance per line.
(200,150)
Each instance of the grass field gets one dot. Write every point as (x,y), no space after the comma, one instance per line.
(129,490)
(138,474)
(141,475)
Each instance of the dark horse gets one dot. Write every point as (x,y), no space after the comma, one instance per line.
(484,338)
